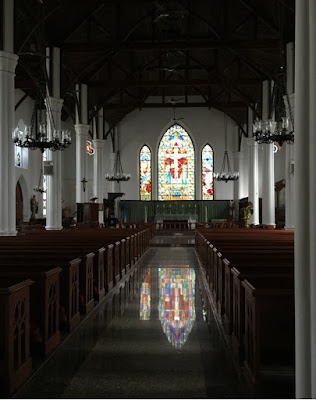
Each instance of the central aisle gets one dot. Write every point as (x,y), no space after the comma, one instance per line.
(152,338)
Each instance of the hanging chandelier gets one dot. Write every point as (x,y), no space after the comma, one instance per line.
(226,173)
(35,135)
(117,174)
(276,129)
(40,188)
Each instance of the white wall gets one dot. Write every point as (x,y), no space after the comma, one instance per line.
(148,126)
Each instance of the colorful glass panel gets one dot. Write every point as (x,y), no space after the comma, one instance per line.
(144,313)
(18,156)
(176,165)
(207,173)
(145,173)
(176,303)
(90,149)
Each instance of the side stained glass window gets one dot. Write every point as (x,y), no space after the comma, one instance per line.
(176,165)
(207,173)
(18,156)
(145,173)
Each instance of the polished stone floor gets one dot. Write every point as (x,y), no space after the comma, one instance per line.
(153,336)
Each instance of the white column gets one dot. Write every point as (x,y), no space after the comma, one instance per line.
(8,62)
(115,187)
(312,181)
(81,153)
(289,149)
(54,182)
(253,177)
(238,162)
(268,193)
(303,218)
(98,173)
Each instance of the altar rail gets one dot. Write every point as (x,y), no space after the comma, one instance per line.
(137,211)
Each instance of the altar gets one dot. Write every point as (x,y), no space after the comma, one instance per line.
(176,221)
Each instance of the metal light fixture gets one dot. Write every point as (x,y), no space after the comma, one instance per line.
(276,129)
(117,174)
(35,135)
(226,173)
(39,188)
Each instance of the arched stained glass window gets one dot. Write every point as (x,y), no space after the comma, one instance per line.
(207,173)
(176,165)
(145,173)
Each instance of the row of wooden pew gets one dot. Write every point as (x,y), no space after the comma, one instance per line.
(251,277)
(48,280)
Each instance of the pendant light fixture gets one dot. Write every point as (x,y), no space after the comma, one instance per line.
(226,173)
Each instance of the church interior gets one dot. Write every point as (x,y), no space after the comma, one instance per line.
(157,162)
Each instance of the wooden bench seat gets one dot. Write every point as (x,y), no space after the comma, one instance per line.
(269,326)
(44,301)
(15,360)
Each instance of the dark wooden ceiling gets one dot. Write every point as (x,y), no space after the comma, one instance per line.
(219,51)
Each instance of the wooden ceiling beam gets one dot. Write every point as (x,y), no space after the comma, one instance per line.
(93,47)
(233,104)
(171,83)
(259,12)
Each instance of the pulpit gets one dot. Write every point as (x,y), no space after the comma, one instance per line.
(88,213)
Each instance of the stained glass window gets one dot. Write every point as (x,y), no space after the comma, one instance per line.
(145,173)
(176,303)
(144,313)
(207,173)
(90,149)
(18,156)
(176,165)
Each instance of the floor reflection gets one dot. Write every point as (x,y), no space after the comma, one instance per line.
(121,351)
(144,312)
(177,303)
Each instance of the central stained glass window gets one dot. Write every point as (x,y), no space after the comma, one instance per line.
(176,165)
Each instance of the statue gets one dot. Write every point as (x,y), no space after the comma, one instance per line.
(34,208)
(247,214)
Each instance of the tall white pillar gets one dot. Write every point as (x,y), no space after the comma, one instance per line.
(253,186)
(81,153)
(253,176)
(289,149)
(268,192)
(54,181)
(312,182)
(238,184)
(304,204)
(8,62)
(115,187)
(98,173)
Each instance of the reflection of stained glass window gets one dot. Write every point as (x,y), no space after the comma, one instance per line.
(145,173)
(176,165)
(207,173)
(177,303)
(44,187)
(18,156)
(144,312)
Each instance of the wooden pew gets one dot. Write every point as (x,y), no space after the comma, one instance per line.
(269,327)
(44,300)
(15,360)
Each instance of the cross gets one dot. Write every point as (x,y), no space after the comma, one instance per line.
(84,181)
